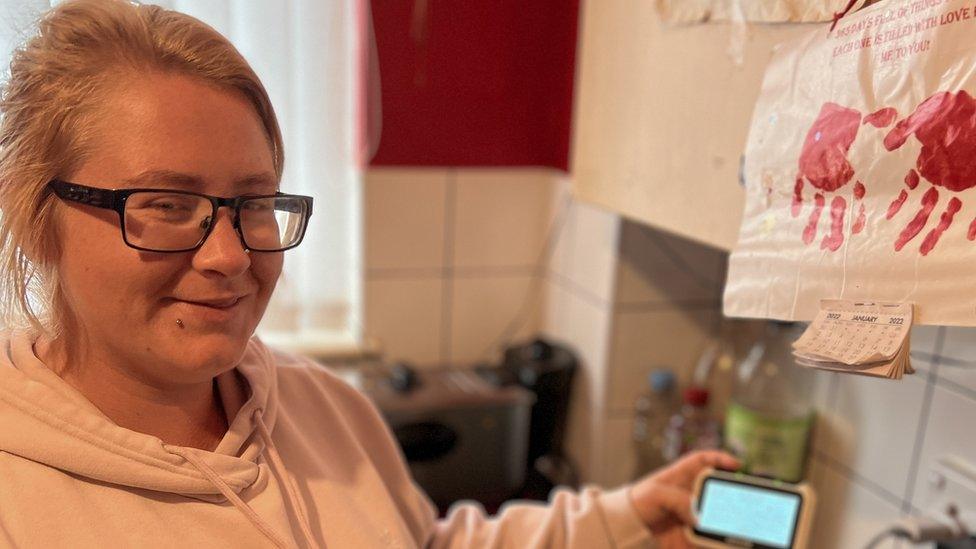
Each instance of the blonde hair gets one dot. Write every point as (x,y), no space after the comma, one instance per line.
(54,91)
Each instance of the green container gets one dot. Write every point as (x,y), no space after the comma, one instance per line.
(768,446)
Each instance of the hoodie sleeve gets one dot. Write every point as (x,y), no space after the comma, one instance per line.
(590,518)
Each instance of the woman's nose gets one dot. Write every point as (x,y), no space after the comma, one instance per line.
(222,252)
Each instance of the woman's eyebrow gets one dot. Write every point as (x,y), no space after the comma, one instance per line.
(191,182)
(257,180)
(149,178)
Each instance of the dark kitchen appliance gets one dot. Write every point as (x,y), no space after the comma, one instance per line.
(547,370)
(463,438)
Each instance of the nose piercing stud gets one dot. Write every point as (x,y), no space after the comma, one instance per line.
(180,323)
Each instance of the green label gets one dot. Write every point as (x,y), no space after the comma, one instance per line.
(769,447)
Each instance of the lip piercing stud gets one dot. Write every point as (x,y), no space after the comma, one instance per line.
(180,323)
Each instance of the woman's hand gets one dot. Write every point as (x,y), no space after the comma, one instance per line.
(663,498)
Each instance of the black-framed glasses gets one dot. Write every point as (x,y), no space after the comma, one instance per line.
(161,220)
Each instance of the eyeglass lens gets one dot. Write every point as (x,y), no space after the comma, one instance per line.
(173,221)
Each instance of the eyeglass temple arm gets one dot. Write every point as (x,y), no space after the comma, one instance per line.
(100,198)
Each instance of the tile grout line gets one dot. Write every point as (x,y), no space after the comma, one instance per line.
(676,305)
(409,273)
(720,278)
(500,271)
(405,273)
(830,403)
(852,475)
(447,284)
(579,292)
(952,386)
(930,383)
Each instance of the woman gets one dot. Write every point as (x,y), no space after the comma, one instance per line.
(142,233)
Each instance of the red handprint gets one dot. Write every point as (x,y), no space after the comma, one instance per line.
(824,164)
(945,125)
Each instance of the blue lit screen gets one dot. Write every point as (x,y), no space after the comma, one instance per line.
(748,512)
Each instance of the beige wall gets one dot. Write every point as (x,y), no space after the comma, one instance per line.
(662,113)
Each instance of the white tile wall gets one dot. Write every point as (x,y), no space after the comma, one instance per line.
(579,311)
(872,425)
(405,211)
(664,295)
(502,216)
(484,308)
(564,229)
(643,341)
(620,468)
(959,351)
(404,316)
(949,429)
(586,252)
(885,436)
(823,428)
(450,255)
(924,340)
(658,268)
(848,515)
(580,432)
(585,327)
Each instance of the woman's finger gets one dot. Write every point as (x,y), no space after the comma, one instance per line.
(684,471)
(674,538)
(676,502)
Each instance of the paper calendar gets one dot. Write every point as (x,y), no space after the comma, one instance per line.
(860,337)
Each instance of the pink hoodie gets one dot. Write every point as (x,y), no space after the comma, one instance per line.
(307,462)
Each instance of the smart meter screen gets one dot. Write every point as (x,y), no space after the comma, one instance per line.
(739,512)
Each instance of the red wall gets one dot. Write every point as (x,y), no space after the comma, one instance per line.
(476,82)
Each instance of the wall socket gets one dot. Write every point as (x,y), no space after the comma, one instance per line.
(952,484)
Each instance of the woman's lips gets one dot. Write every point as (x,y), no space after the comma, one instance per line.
(222,303)
(209,310)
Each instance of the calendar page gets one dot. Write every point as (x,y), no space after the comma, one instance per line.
(853,332)
(862,337)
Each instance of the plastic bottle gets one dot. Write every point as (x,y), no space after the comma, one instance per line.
(652,411)
(769,420)
(715,371)
(693,428)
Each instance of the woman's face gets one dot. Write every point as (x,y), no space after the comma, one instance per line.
(172,132)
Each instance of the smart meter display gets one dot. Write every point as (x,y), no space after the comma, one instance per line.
(746,514)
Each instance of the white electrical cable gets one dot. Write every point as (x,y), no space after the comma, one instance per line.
(881,536)
(921,530)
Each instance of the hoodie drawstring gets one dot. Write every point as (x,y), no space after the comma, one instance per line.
(229,493)
(277,466)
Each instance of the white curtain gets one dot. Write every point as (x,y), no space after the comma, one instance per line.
(306,53)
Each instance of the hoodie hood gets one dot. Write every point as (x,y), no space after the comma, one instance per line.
(45,420)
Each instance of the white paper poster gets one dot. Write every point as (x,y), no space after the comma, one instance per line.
(760,11)
(860,168)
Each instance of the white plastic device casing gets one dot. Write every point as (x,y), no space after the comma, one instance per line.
(801,536)
(952,483)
